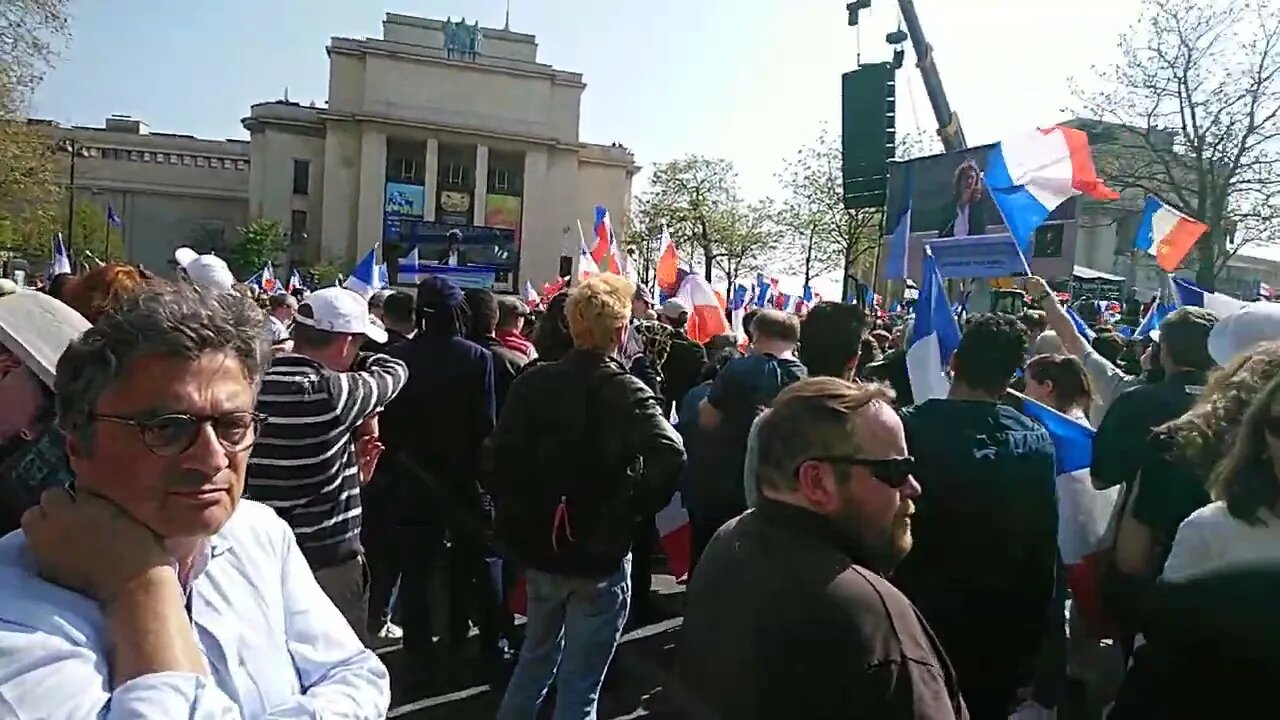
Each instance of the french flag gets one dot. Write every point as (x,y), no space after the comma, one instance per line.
(738,309)
(602,249)
(586,264)
(764,290)
(1083,512)
(706,312)
(899,242)
(1029,176)
(1166,234)
(668,269)
(365,278)
(1189,294)
(267,279)
(934,337)
(675,534)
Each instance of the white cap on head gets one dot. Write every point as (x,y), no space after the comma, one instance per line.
(339,310)
(208,272)
(1240,331)
(38,328)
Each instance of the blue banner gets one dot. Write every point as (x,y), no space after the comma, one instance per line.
(978,256)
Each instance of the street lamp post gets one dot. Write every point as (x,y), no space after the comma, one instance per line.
(74,150)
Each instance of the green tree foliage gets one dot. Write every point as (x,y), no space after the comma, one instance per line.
(819,234)
(1196,96)
(747,240)
(695,198)
(261,241)
(31,34)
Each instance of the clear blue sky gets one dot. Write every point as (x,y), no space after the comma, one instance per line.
(749,80)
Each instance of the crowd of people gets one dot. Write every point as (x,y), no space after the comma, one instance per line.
(223,500)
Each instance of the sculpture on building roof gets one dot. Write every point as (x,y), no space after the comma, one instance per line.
(462,41)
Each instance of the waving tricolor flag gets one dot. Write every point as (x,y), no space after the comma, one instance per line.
(935,335)
(1030,175)
(1166,234)
(603,242)
(1083,513)
(668,270)
(706,313)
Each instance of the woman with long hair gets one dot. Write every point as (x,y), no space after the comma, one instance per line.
(1242,525)
(101,289)
(1176,482)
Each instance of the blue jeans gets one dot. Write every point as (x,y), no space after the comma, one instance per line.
(574,627)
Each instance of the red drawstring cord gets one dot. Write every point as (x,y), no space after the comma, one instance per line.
(561,516)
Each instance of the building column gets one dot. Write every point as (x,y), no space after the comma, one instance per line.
(431,179)
(373,189)
(482,184)
(539,224)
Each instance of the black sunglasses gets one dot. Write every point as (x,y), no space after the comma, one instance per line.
(894,472)
(175,433)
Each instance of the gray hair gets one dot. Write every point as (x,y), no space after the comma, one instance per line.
(161,319)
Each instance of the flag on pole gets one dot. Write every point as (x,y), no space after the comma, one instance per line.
(586,264)
(706,314)
(602,248)
(61,260)
(895,267)
(531,297)
(1030,175)
(365,277)
(1166,234)
(667,272)
(112,218)
(295,280)
(676,535)
(935,335)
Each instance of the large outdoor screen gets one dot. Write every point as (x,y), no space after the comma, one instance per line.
(938,189)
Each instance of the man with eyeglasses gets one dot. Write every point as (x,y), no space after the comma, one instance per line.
(307,464)
(789,613)
(148,589)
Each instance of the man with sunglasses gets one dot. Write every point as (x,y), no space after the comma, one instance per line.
(789,613)
(148,589)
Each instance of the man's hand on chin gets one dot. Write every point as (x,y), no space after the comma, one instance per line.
(86,543)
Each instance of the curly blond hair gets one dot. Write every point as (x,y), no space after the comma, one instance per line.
(597,309)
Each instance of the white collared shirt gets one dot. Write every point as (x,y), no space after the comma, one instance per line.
(276,646)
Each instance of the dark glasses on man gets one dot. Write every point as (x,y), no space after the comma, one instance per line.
(176,433)
(894,472)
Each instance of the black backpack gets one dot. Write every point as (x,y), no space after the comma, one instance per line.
(569,504)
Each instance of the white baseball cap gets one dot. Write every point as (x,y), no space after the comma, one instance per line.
(1241,331)
(208,272)
(339,310)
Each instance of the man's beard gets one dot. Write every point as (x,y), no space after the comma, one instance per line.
(879,548)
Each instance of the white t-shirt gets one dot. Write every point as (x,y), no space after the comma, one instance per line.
(1211,539)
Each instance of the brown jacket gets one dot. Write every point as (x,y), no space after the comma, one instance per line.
(781,622)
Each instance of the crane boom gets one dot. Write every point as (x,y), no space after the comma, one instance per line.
(949,130)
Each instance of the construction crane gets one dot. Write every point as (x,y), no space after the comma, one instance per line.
(949,129)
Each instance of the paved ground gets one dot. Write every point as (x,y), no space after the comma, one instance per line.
(638,672)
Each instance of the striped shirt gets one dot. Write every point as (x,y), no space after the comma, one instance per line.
(304,464)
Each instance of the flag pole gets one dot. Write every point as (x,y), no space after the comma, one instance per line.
(106,233)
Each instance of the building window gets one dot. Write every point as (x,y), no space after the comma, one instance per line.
(199,161)
(228,164)
(298,228)
(1048,242)
(455,174)
(242,164)
(146,157)
(501,180)
(408,169)
(186,160)
(301,177)
(133,156)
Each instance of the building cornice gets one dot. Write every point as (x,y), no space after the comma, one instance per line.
(119,186)
(386,48)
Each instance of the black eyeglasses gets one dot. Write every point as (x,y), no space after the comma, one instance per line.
(894,472)
(176,433)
